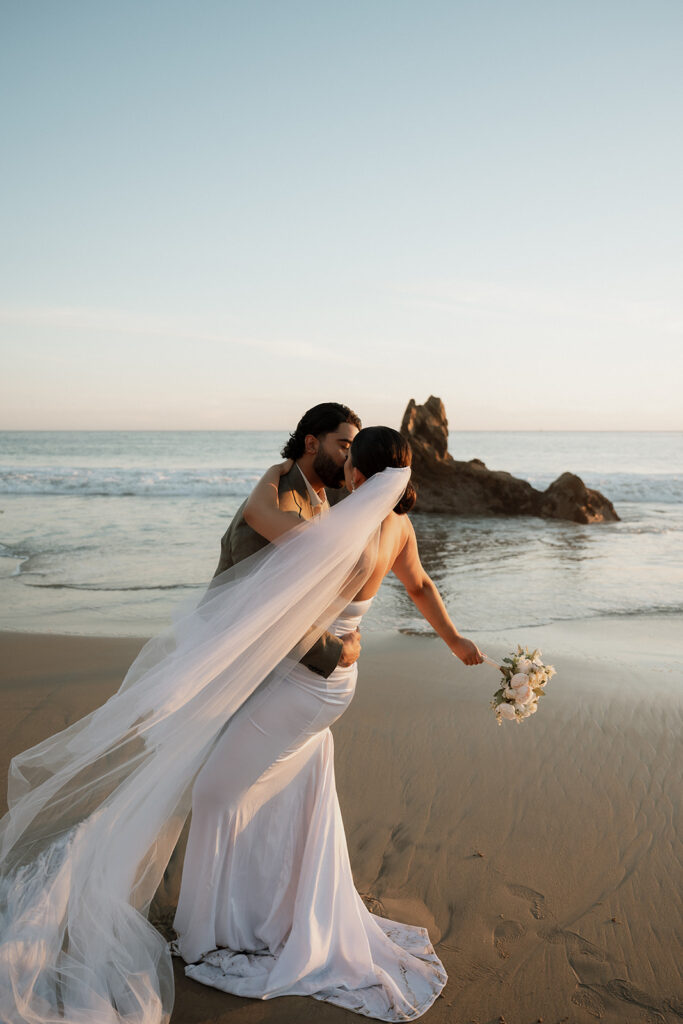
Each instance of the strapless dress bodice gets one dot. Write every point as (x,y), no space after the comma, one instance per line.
(350,617)
(337,688)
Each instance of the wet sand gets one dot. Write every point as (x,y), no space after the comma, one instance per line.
(543,858)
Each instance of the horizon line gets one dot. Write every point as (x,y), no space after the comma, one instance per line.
(275,430)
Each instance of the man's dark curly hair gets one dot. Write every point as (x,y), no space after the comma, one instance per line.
(320,420)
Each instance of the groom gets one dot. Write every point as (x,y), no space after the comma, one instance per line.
(319,447)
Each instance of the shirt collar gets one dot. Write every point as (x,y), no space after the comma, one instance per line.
(312,493)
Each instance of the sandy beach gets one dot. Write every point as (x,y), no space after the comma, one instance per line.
(543,858)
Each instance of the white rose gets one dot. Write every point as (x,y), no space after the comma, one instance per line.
(524,694)
(506,711)
(524,665)
(519,679)
(509,692)
(532,708)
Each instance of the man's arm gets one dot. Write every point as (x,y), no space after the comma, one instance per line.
(330,651)
(323,657)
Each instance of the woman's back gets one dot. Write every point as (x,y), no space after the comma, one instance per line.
(395,533)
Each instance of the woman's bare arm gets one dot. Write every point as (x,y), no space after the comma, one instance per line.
(423,593)
(262,511)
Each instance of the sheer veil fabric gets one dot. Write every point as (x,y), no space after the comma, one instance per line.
(95,811)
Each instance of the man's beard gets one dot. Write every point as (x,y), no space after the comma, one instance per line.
(327,469)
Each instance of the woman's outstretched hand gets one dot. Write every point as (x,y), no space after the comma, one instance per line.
(467,651)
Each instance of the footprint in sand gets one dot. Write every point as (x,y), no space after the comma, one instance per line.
(505,933)
(628,993)
(589,963)
(575,943)
(536,899)
(373,904)
(588,1000)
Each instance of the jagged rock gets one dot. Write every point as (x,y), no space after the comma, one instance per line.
(469,488)
(569,498)
(427,427)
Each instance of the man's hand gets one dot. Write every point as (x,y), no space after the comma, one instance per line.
(467,651)
(351,649)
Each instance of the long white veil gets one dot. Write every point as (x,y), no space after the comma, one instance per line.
(96,810)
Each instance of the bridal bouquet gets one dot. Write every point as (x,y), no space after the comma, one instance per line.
(524,681)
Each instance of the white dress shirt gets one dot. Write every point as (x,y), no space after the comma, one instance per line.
(319,505)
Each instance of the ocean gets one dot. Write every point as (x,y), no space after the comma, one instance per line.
(106,533)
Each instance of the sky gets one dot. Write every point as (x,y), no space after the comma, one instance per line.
(217,214)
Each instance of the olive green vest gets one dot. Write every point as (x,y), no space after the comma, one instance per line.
(240,540)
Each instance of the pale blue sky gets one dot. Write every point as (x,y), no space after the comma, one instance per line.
(215,214)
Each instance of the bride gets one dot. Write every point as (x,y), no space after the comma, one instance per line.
(219,714)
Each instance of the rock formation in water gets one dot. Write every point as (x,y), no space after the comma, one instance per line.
(468,488)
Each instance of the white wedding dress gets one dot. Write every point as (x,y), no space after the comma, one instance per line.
(267,903)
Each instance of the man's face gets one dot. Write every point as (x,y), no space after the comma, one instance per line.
(333,450)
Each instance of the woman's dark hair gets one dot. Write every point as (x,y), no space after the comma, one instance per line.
(321,419)
(377,448)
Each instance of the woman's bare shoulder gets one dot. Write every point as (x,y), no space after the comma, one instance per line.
(394,537)
(399,523)
(397,531)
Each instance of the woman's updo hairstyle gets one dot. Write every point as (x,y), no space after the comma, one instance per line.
(376,448)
